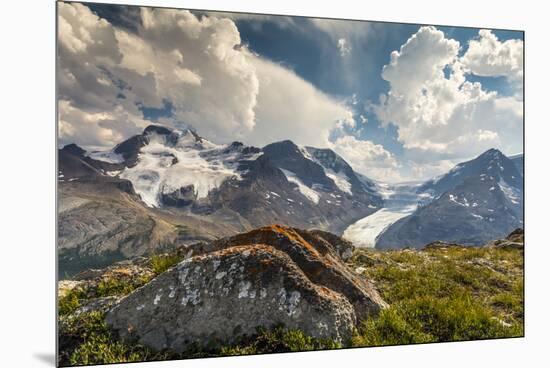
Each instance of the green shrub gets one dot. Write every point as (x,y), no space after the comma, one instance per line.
(71,301)
(118,286)
(162,262)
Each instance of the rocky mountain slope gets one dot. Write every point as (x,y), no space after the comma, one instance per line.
(166,187)
(476,201)
(518,161)
(250,293)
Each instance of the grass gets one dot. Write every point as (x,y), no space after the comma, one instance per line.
(86,340)
(71,301)
(114,286)
(443,294)
(435,295)
(107,286)
(162,262)
(278,339)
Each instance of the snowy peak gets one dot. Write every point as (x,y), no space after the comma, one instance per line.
(490,165)
(318,169)
(179,170)
(340,171)
(288,156)
(180,164)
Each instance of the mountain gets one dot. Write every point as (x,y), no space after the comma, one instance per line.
(518,161)
(476,201)
(491,163)
(165,187)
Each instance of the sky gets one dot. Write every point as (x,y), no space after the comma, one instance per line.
(399,102)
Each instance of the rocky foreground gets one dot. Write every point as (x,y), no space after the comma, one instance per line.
(279,289)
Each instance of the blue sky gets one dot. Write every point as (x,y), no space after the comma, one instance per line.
(446,95)
(318,61)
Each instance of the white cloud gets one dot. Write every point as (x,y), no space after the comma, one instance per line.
(337,29)
(344,47)
(290,107)
(488,57)
(197,64)
(444,116)
(370,159)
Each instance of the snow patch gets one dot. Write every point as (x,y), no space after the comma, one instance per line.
(309,193)
(513,194)
(364,232)
(340,179)
(455,199)
(106,156)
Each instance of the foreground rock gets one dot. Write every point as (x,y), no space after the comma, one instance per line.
(268,277)
(222,295)
(513,240)
(319,259)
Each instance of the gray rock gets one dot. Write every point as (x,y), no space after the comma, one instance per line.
(97,304)
(225,294)
(343,247)
(319,260)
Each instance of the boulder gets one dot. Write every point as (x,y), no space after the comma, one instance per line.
(320,261)
(222,295)
(516,236)
(513,241)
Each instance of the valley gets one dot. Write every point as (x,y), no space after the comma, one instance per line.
(399,201)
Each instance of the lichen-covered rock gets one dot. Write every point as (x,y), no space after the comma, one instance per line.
(97,304)
(320,261)
(225,294)
(343,247)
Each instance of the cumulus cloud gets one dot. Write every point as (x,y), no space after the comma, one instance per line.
(290,107)
(438,112)
(488,57)
(197,65)
(368,158)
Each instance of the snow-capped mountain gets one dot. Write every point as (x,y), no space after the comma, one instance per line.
(175,177)
(474,202)
(491,163)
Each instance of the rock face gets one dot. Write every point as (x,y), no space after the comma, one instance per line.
(267,277)
(518,161)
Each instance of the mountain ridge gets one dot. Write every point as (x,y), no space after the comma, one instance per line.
(477,200)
